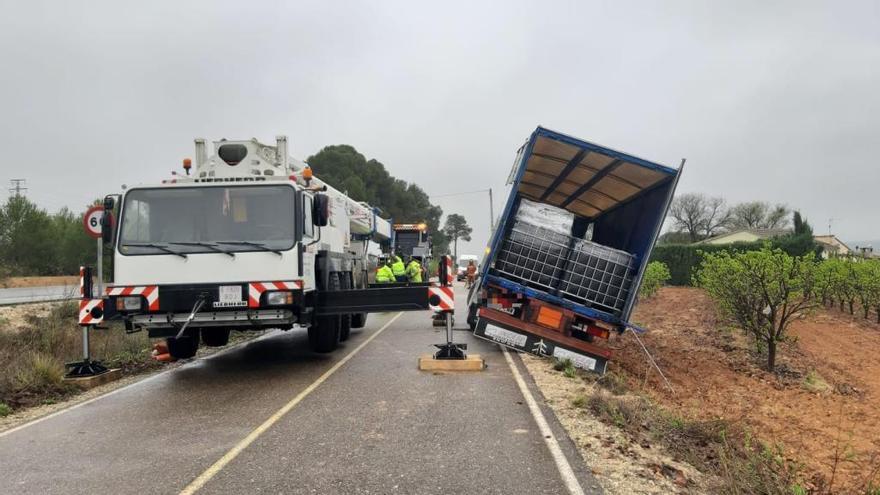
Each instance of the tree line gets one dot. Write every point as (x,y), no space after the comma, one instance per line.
(367,180)
(763,291)
(35,242)
(697,216)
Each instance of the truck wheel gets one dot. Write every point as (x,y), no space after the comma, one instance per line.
(358,320)
(345,320)
(215,337)
(324,334)
(472,317)
(185,346)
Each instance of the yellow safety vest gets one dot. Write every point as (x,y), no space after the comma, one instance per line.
(384,275)
(398,267)
(414,271)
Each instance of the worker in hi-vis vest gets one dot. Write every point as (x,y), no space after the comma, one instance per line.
(398,269)
(414,270)
(384,275)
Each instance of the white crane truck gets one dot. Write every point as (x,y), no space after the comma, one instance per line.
(248,240)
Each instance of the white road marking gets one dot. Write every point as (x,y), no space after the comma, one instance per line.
(221,463)
(126,387)
(571,482)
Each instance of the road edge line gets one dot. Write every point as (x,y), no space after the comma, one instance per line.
(562,464)
(206,476)
(130,385)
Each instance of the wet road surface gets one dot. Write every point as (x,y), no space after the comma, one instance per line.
(375,425)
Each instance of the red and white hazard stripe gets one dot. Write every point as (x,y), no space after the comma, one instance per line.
(446,296)
(150,292)
(450,275)
(82,283)
(256,289)
(85,311)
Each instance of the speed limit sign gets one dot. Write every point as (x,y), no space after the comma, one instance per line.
(92,221)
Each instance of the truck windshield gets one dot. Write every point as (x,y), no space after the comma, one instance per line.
(208,220)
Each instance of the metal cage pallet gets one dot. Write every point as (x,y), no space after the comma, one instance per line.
(579,270)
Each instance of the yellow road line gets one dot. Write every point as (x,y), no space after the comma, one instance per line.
(221,463)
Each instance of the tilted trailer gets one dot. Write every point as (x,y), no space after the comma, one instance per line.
(565,263)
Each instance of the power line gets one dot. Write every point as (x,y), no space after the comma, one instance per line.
(459,193)
(17,186)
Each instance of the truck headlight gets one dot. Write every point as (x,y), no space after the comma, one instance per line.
(279,297)
(128,303)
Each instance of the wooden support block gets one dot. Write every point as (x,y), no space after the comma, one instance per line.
(89,382)
(473,362)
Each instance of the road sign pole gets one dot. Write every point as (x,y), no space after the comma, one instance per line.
(100,265)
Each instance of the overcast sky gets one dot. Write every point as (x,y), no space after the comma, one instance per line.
(776,101)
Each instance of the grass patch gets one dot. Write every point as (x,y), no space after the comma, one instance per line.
(34,356)
(814,382)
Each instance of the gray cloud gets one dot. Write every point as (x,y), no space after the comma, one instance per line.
(771,101)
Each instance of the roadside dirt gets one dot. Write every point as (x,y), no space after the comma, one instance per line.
(821,407)
(621,465)
(15,317)
(19,282)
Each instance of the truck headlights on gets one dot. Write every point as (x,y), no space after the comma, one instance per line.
(279,297)
(128,303)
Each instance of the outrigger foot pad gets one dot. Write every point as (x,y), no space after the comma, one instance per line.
(450,350)
(86,367)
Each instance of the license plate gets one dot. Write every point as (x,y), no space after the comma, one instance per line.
(538,346)
(230,294)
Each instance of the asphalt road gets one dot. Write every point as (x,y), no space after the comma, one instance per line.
(363,419)
(38,294)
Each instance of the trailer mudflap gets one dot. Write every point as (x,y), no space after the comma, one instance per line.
(508,331)
(373,300)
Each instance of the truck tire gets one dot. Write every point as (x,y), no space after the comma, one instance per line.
(358,320)
(215,337)
(185,346)
(345,320)
(324,334)
(472,317)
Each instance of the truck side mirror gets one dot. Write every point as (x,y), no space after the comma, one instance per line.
(107,225)
(107,222)
(321,213)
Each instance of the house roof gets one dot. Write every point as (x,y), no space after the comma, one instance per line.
(759,233)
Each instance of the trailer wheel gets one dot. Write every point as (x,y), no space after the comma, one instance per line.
(215,337)
(185,346)
(345,320)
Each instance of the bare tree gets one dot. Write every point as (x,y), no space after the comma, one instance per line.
(760,215)
(777,218)
(698,215)
(717,216)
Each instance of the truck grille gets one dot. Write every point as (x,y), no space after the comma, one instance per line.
(581,271)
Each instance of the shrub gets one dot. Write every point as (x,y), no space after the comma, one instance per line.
(683,260)
(761,291)
(656,276)
(5,410)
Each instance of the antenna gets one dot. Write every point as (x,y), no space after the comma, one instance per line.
(829,225)
(17,186)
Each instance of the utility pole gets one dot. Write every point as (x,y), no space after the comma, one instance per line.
(17,186)
(491,203)
(491,212)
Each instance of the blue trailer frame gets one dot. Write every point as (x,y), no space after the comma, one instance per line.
(645,209)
